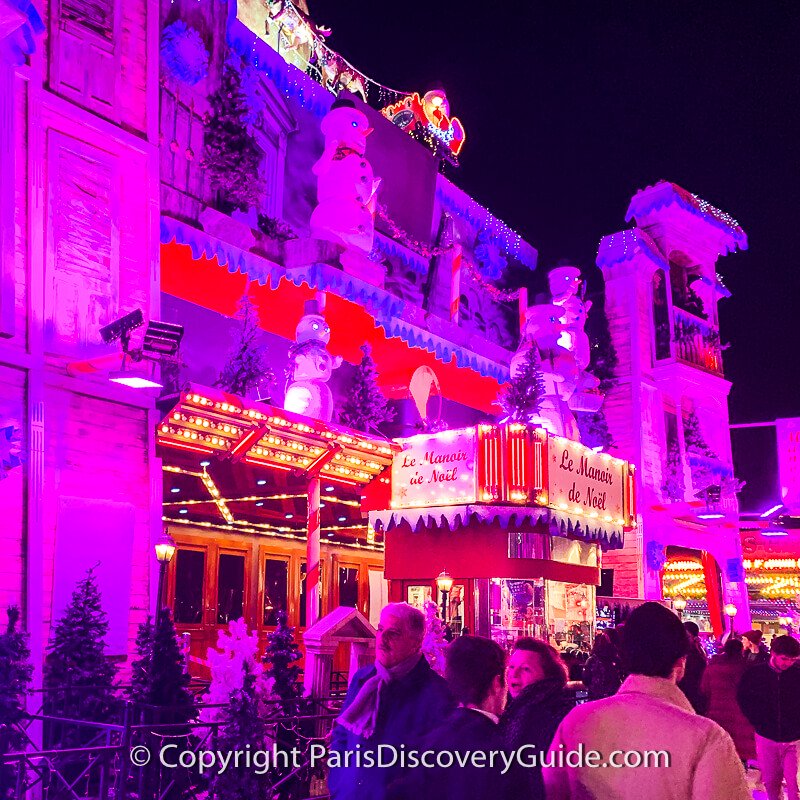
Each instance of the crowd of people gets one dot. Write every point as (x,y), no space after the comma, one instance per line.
(651,689)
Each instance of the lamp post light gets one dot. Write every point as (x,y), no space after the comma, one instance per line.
(730,610)
(444,583)
(679,604)
(165,550)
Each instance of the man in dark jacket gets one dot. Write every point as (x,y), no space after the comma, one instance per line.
(769,696)
(475,673)
(395,702)
(755,651)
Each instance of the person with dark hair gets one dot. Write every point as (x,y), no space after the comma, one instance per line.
(602,675)
(718,687)
(755,651)
(537,678)
(475,674)
(394,702)
(769,696)
(691,757)
(696,661)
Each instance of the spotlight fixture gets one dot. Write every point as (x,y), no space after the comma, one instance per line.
(122,328)
(160,344)
(134,380)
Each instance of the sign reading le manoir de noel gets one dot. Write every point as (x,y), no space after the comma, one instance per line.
(582,479)
(436,470)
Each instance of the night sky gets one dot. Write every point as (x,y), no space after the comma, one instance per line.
(570,107)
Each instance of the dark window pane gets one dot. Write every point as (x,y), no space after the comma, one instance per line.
(230,588)
(190,570)
(348,586)
(276,589)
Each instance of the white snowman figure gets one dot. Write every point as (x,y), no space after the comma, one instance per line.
(346,186)
(565,284)
(311,367)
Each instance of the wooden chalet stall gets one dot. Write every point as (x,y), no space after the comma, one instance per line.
(236,504)
(519,519)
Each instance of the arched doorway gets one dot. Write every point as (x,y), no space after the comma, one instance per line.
(694,575)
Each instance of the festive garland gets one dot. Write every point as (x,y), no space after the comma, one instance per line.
(184,54)
(402,236)
(498,295)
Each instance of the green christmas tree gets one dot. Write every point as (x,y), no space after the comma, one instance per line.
(593,428)
(365,408)
(15,678)
(159,676)
(247,366)
(78,678)
(281,656)
(241,728)
(522,395)
(232,159)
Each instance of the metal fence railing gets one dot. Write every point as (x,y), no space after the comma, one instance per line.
(150,754)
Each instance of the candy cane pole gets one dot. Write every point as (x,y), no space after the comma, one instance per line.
(312,551)
(455,283)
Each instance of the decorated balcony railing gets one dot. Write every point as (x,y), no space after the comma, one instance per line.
(696,342)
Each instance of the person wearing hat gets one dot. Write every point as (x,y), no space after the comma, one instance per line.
(755,651)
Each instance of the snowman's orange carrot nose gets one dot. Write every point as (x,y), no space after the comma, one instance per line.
(368,131)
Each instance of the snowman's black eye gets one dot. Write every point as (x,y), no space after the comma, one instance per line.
(354,124)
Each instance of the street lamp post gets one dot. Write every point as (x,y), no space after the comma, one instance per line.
(444,583)
(730,610)
(165,550)
(680,605)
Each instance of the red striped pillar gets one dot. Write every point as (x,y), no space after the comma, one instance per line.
(455,284)
(312,551)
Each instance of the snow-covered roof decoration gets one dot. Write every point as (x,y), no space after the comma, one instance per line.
(664,193)
(624,245)
(452,518)
(461,205)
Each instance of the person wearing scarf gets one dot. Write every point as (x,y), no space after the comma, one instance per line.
(394,702)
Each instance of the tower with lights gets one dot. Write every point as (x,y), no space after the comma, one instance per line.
(668,412)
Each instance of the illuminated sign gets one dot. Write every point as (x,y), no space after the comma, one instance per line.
(513,464)
(435,470)
(584,482)
(432,114)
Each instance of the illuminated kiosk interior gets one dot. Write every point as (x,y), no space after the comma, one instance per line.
(517,517)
